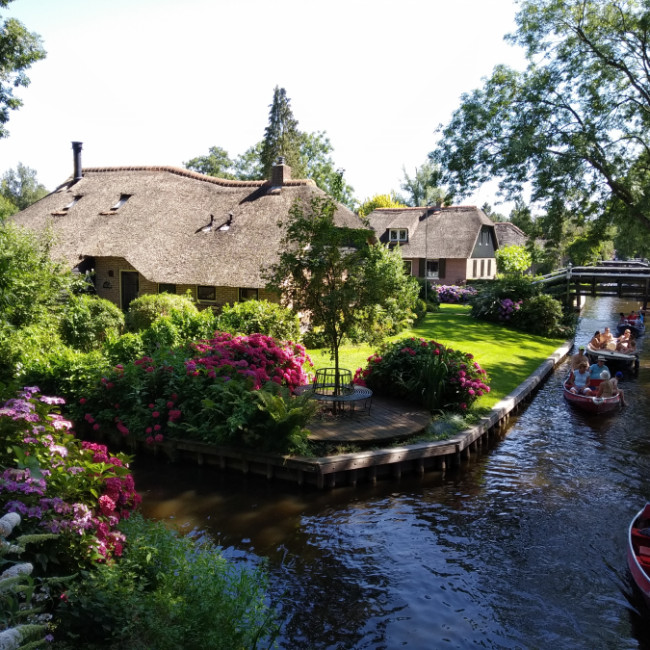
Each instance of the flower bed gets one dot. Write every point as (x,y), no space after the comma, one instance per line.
(60,484)
(425,372)
(454,294)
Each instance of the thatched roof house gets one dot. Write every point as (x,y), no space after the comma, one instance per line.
(154,229)
(509,235)
(448,245)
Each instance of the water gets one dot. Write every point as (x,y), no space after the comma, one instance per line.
(522,547)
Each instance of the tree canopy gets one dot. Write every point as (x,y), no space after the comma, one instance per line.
(19,49)
(308,155)
(21,188)
(424,187)
(574,126)
(379,201)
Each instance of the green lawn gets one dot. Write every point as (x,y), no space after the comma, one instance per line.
(507,355)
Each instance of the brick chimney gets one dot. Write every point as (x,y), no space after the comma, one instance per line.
(76,152)
(280,174)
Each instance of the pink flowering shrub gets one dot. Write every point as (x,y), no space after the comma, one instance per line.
(454,294)
(60,484)
(206,391)
(425,372)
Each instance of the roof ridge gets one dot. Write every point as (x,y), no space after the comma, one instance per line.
(225,182)
(425,207)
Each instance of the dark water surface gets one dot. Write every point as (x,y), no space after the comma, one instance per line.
(523,547)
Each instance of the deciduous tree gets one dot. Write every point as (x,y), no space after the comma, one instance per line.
(379,201)
(19,49)
(574,126)
(21,187)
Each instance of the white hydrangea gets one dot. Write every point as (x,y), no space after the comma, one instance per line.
(24,568)
(8,523)
(10,639)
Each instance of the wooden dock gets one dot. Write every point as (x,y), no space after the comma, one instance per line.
(388,420)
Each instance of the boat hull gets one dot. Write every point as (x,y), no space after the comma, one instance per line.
(597,405)
(638,552)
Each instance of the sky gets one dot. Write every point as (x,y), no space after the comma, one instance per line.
(159,82)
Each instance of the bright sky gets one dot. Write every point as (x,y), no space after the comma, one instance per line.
(158,82)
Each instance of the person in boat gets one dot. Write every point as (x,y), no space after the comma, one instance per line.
(578,358)
(632,318)
(605,388)
(631,346)
(596,342)
(578,380)
(596,369)
(623,319)
(607,339)
(623,341)
(617,390)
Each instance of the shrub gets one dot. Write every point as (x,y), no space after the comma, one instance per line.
(125,349)
(425,372)
(169,591)
(60,484)
(541,315)
(206,391)
(88,321)
(487,303)
(260,317)
(143,311)
(453,294)
(420,309)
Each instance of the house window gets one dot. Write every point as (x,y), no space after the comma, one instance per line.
(489,267)
(206,294)
(408,267)
(166,288)
(398,234)
(475,269)
(433,267)
(247,294)
(482,268)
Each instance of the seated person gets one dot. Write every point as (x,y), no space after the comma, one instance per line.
(596,342)
(623,341)
(623,319)
(578,358)
(607,339)
(631,346)
(605,388)
(632,317)
(579,379)
(617,390)
(596,369)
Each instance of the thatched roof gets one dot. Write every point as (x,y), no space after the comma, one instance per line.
(451,231)
(163,229)
(509,235)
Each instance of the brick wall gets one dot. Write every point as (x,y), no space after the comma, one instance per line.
(455,271)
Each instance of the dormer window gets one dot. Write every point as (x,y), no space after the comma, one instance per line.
(123,199)
(398,234)
(76,198)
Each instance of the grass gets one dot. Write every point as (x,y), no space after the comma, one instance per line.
(508,356)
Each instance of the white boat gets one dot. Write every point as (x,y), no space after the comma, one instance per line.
(614,358)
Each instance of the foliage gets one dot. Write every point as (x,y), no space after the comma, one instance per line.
(425,372)
(378,201)
(125,349)
(574,125)
(19,49)
(216,163)
(143,311)
(335,276)
(260,317)
(169,591)
(205,391)
(23,619)
(515,301)
(424,188)
(88,321)
(31,284)
(453,294)
(513,260)
(60,484)
(21,188)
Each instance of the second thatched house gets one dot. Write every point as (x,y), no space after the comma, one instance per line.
(446,245)
(164,229)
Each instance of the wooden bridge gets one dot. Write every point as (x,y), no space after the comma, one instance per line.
(612,278)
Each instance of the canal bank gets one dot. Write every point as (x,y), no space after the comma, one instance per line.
(369,466)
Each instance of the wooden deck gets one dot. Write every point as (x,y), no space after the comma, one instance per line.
(385,420)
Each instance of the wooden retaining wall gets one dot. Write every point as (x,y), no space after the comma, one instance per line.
(369,466)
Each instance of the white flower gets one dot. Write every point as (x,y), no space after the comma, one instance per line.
(8,523)
(24,568)
(10,639)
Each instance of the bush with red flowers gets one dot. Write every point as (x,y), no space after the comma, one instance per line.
(425,372)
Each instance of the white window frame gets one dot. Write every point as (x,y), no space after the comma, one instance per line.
(398,234)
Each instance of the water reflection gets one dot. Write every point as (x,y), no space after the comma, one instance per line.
(521,548)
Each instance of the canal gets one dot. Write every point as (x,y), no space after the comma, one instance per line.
(521,547)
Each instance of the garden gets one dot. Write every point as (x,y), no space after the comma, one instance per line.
(77,559)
